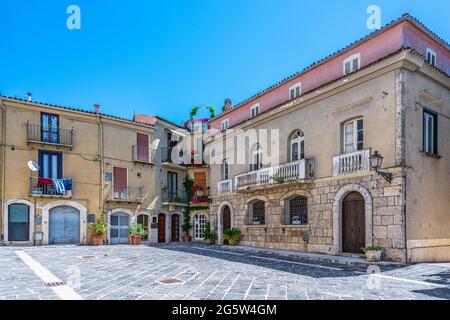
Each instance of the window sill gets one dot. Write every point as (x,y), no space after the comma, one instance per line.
(430,155)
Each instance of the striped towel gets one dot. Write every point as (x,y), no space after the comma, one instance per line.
(59,185)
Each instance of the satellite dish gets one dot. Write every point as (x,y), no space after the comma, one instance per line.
(154,144)
(33,166)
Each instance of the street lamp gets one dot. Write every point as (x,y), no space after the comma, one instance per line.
(376,160)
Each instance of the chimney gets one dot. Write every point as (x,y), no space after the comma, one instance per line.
(227,105)
(96,108)
(30,96)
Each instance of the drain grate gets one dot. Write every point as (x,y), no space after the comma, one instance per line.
(55,284)
(87,257)
(170,281)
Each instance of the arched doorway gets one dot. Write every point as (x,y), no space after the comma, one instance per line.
(18,222)
(175,228)
(353,223)
(64,225)
(161,228)
(143,220)
(226,220)
(119,228)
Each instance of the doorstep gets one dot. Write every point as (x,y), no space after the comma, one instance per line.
(313,257)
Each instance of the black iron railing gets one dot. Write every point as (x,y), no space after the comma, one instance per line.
(46,187)
(49,135)
(142,154)
(175,196)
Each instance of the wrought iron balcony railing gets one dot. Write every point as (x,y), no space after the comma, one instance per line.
(142,154)
(125,193)
(50,187)
(49,135)
(175,196)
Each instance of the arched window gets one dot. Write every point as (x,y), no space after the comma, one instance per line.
(256,213)
(256,157)
(296,211)
(297,146)
(225,170)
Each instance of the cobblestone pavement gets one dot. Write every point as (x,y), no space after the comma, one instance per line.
(134,272)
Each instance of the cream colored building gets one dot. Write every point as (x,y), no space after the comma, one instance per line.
(89,167)
(322,194)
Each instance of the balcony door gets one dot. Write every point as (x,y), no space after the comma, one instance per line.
(172,185)
(297,146)
(120,182)
(50,164)
(142,147)
(49,128)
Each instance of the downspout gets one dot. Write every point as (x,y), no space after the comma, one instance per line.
(3,168)
(401,149)
(102,176)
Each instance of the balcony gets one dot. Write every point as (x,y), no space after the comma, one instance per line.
(142,154)
(349,163)
(225,186)
(166,159)
(125,194)
(174,197)
(291,171)
(58,188)
(50,136)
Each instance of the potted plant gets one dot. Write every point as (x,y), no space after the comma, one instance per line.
(186,225)
(232,235)
(210,234)
(97,229)
(373,253)
(137,231)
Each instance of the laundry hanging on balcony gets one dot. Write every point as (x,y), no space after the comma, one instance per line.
(62,185)
(45,181)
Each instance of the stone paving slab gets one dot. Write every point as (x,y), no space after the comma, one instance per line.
(134,272)
(313,257)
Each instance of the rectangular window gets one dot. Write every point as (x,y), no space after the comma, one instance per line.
(225,124)
(120,182)
(295,91)
(352,63)
(172,185)
(49,128)
(431,57)
(225,170)
(430,132)
(50,164)
(254,110)
(353,136)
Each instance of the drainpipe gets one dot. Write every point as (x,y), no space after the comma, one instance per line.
(3,169)
(102,175)
(401,155)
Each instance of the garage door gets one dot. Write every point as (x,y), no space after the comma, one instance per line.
(119,228)
(64,225)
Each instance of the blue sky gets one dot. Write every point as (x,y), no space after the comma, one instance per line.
(164,57)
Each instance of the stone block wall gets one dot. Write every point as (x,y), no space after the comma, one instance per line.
(385,222)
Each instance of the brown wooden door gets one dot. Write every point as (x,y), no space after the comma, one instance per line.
(142,147)
(161,228)
(175,228)
(353,223)
(226,218)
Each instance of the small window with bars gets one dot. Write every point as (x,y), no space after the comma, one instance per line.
(431,57)
(296,211)
(256,213)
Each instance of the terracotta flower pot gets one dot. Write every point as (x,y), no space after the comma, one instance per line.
(232,242)
(136,240)
(187,238)
(97,239)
